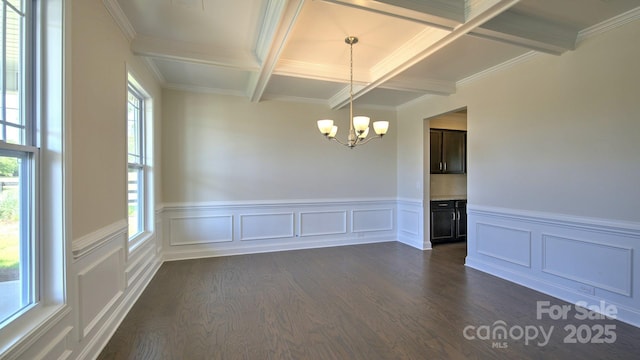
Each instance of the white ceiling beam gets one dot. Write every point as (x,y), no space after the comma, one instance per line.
(320,72)
(280,18)
(420,85)
(529,32)
(193,53)
(445,14)
(421,47)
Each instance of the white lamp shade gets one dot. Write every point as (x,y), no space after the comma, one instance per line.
(325,126)
(364,134)
(333,132)
(360,123)
(381,127)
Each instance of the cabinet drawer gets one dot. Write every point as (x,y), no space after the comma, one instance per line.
(442,204)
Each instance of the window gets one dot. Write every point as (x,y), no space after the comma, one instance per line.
(18,163)
(139,205)
(32,166)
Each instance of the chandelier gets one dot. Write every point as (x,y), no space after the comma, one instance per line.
(358,125)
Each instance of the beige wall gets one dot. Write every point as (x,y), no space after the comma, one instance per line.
(551,134)
(226,148)
(100,57)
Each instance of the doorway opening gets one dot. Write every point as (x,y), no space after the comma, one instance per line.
(445,181)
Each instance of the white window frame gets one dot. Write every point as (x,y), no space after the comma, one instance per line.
(147,211)
(45,84)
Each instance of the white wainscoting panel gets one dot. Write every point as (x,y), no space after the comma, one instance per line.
(411,224)
(588,262)
(283,225)
(201,229)
(572,258)
(100,285)
(108,283)
(504,243)
(316,223)
(266,226)
(372,220)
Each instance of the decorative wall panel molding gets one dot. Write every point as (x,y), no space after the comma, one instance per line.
(588,262)
(411,224)
(317,223)
(266,226)
(571,258)
(108,283)
(190,230)
(504,243)
(100,285)
(372,220)
(275,226)
(89,242)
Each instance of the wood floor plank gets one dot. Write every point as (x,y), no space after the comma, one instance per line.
(376,301)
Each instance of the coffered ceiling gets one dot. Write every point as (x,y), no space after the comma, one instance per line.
(295,49)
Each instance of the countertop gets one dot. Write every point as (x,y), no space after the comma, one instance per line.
(448,197)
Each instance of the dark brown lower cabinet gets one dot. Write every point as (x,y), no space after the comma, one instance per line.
(448,221)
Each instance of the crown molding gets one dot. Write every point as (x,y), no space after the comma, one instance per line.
(315,71)
(193,53)
(120,18)
(151,65)
(610,24)
(420,85)
(494,69)
(203,89)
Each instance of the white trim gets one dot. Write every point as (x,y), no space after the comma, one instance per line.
(614,280)
(203,205)
(91,241)
(118,15)
(99,339)
(502,66)
(625,314)
(266,248)
(203,89)
(610,24)
(578,222)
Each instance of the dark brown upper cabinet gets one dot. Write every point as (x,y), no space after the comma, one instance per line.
(448,151)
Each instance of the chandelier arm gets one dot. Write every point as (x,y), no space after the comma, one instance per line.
(338,141)
(362,142)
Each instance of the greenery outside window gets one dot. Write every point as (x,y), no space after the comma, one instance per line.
(18,162)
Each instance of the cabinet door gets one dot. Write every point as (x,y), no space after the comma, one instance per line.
(461,222)
(443,225)
(436,152)
(453,152)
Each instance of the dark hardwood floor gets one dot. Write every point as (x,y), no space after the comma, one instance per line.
(377,301)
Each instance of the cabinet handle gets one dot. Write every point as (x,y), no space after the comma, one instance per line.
(458,215)
(445,166)
(440,165)
(453,215)
(443,205)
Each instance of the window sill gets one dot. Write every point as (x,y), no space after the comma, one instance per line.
(25,330)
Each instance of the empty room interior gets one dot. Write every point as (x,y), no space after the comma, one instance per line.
(320,179)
